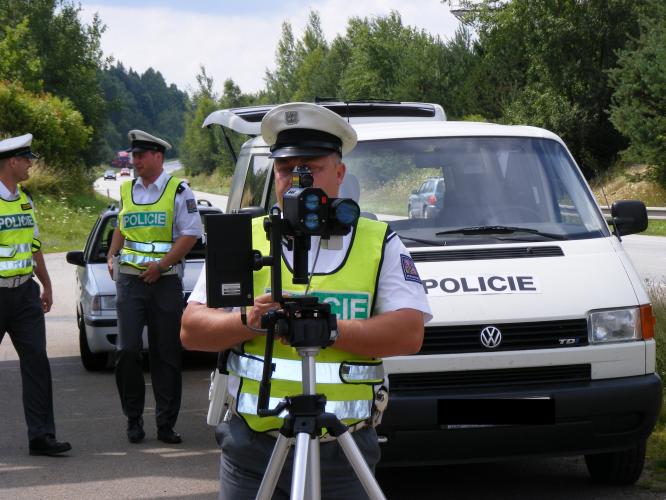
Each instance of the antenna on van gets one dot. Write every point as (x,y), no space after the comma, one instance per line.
(603,192)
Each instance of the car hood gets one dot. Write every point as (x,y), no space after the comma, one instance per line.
(587,275)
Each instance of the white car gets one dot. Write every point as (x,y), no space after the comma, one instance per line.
(542,337)
(96,304)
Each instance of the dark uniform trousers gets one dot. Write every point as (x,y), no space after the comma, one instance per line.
(245,456)
(22,317)
(160,307)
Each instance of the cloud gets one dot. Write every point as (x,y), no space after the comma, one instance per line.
(176,42)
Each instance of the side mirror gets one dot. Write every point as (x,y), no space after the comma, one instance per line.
(629,216)
(75,257)
(414,191)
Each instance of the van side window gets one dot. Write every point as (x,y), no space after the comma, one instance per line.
(255,181)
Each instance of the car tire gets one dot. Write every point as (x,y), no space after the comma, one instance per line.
(622,467)
(91,361)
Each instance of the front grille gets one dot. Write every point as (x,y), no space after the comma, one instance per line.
(488,254)
(406,382)
(515,336)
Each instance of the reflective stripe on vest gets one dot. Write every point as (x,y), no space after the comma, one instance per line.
(344,410)
(147,228)
(154,247)
(327,373)
(10,265)
(17,230)
(355,281)
(11,250)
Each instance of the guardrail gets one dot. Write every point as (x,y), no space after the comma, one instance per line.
(653,212)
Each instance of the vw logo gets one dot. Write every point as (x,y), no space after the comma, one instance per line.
(491,337)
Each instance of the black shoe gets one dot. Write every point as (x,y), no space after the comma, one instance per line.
(135,432)
(167,435)
(47,445)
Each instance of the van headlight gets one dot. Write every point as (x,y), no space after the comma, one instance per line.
(614,325)
(103,303)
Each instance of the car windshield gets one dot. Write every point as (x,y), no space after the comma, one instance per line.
(472,190)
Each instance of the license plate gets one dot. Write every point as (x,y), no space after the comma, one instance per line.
(467,412)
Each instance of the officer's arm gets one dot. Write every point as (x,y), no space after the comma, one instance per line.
(392,333)
(43,277)
(116,244)
(180,248)
(206,329)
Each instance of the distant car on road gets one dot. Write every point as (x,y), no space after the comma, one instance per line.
(125,171)
(426,201)
(109,174)
(96,303)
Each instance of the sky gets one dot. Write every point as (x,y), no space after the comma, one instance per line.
(234,38)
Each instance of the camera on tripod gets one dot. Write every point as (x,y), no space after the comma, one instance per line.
(310,212)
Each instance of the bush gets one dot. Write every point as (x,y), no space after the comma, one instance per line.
(60,135)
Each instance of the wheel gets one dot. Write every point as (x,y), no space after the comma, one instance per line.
(92,362)
(622,467)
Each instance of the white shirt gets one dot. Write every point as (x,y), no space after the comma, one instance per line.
(185,222)
(394,290)
(6,195)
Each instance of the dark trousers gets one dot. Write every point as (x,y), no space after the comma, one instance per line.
(245,456)
(22,317)
(160,307)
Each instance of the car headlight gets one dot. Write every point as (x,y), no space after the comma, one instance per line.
(615,325)
(103,303)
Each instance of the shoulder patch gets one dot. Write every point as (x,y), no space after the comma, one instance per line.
(191,205)
(409,269)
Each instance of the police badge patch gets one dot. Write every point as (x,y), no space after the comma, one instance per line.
(26,206)
(191,205)
(291,117)
(409,269)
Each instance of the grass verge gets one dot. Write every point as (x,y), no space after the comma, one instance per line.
(656,227)
(654,475)
(210,183)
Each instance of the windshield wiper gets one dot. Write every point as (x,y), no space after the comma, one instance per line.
(500,230)
(425,242)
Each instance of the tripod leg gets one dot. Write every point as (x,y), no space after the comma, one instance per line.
(361,468)
(313,484)
(273,469)
(298,474)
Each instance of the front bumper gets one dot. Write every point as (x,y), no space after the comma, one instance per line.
(590,417)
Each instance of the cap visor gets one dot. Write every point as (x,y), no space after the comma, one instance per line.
(136,149)
(292,151)
(30,155)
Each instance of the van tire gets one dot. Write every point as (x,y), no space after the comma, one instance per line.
(93,362)
(622,467)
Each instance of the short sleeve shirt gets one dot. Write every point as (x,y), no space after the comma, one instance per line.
(6,195)
(397,288)
(187,221)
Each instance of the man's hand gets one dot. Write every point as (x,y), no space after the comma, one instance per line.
(109,265)
(152,273)
(47,299)
(262,304)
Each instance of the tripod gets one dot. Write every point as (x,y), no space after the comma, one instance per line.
(305,419)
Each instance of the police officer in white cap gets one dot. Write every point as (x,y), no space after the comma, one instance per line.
(158,224)
(373,267)
(21,306)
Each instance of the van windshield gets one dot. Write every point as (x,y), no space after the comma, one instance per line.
(472,190)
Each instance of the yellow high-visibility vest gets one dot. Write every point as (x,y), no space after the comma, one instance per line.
(147,228)
(17,241)
(347,380)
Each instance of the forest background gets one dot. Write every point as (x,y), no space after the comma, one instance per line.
(592,71)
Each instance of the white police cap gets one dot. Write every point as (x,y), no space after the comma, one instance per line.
(17,146)
(306,129)
(143,141)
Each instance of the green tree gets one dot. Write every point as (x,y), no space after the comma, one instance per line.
(639,102)
(281,83)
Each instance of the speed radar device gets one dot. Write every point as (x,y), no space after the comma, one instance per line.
(301,321)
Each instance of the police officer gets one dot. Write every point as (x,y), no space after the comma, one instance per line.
(373,267)
(21,306)
(158,224)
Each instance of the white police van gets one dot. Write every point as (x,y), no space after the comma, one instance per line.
(542,337)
